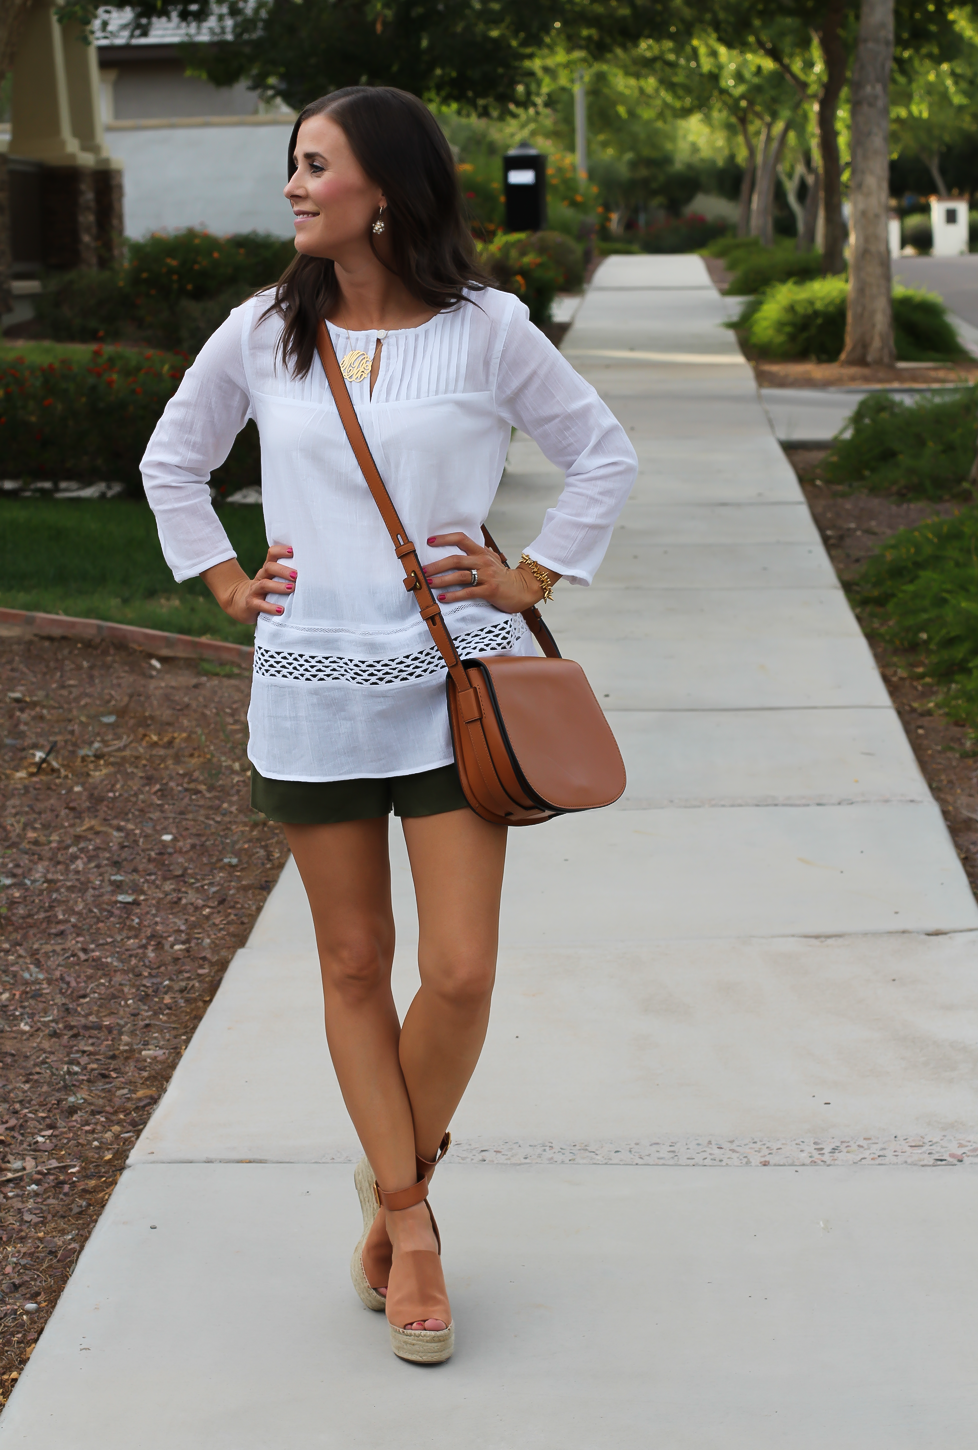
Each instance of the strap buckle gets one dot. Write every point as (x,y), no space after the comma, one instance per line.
(412,588)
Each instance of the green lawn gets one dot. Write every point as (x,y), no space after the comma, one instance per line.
(101,559)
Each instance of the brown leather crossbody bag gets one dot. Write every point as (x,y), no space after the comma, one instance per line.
(531,741)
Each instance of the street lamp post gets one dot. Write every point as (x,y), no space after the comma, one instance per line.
(580,124)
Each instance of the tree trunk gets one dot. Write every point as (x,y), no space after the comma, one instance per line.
(792,187)
(756,204)
(764,191)
(747,181)
(806,237)
(932,160)
(869,316)
(826,107)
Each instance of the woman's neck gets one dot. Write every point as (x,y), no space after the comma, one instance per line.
(371,298)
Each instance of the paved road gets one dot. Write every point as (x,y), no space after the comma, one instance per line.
(706,1190)
(955,278)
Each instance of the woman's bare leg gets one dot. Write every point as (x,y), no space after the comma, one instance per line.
(401,1086)
(457,861)
(346,872)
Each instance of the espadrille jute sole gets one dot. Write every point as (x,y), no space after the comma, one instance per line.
(423,1346)
(363,1177)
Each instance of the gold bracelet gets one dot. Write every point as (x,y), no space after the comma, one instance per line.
(540,575)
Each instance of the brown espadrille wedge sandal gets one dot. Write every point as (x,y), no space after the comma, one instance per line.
(370,1266)
(416,1290)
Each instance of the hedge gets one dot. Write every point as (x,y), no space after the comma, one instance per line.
(173,290)
(680,234)
(90,421)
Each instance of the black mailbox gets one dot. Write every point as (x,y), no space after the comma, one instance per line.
(525,189)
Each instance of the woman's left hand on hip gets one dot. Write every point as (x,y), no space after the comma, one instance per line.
(478,573)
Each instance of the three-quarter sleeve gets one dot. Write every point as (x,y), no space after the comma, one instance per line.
(192,438)
(538,391)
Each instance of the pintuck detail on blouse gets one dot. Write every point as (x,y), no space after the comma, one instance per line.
(347,683)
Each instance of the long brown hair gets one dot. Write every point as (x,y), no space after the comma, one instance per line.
(401,147)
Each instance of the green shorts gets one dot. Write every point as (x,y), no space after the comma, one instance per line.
(328,802)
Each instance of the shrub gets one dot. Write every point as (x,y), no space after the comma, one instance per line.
(808,320)
(923,449)
(91,421)
(921,590)
(680,234)
(171,292)
(614,248)
(756,270)
(566,255)
(519,267)
(972,230)
(730,244)
(917,232)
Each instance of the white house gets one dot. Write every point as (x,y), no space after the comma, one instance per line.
(195,154)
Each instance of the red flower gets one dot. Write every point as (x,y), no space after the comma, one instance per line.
(47,402)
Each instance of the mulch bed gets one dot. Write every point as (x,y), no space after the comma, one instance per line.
(853,526)
(133,868)
(803,374)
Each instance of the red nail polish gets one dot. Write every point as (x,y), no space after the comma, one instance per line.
(431,541)
(290,553)
(293,575)
(279,609)
(442,598)
(290,587)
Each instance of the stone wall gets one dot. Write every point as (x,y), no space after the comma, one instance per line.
(108,216)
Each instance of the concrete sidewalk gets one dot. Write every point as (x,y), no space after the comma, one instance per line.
(713,1184)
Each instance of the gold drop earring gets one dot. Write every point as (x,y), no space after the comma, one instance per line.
(378,225)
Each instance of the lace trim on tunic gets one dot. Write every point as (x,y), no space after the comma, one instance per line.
(280,664)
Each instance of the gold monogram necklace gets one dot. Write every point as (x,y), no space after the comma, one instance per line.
(355,365)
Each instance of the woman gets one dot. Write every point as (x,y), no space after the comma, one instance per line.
(348,714)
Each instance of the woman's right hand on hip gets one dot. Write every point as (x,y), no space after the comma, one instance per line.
(245,599)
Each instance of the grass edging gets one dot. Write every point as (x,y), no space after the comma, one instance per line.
(153,641)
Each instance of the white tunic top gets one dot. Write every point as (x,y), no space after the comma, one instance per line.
(347,682)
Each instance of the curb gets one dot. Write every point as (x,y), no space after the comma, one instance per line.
(154,641)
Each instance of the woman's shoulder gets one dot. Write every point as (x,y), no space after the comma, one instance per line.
(498,306)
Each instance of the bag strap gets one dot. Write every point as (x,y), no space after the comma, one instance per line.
(414,576)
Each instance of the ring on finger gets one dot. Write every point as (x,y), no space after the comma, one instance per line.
(475,578)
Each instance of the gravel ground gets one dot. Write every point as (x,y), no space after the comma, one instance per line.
(132,869)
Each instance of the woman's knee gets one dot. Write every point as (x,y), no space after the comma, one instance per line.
(463,982)
(356,969)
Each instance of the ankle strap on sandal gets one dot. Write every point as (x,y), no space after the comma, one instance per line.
(404,1197)
(427,1167)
